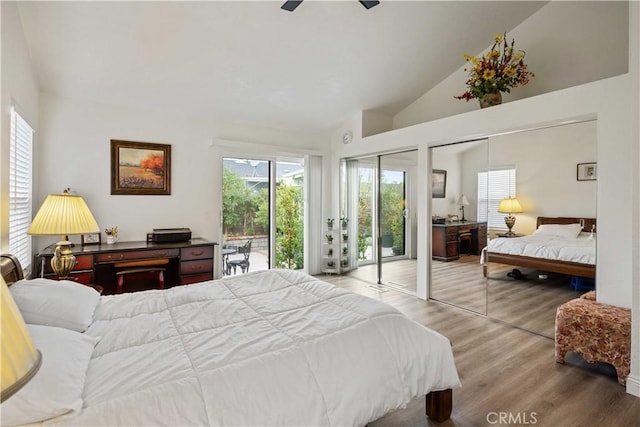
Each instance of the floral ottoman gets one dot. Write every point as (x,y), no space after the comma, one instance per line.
(598,332)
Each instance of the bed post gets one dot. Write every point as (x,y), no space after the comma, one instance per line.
(439,405)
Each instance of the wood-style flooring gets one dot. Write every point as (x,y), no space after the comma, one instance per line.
(506,370)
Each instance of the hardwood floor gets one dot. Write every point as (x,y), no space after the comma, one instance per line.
(507,372)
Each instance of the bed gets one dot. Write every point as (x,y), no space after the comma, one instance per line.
(277,347)
(556,251)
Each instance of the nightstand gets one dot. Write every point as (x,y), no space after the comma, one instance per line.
(510,235)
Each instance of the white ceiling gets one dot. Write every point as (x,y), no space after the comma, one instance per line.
(251,62)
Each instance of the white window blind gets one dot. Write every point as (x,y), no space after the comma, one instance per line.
(20,188)
(493,186)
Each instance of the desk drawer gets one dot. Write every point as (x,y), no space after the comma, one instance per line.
(195,278)
(83,262)
(135,255)
(196,252)
(196,267)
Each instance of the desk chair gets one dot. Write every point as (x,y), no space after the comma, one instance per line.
(243,262)
(143,266)
(464,236)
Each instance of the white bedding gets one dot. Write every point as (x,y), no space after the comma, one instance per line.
(268,348)
(581,249)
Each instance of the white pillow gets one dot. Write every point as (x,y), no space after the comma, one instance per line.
(57,386)
(569,231)
(56,303)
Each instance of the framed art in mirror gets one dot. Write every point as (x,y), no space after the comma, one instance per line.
(140,168)
(438,183)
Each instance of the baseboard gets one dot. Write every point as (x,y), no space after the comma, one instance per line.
(633,385)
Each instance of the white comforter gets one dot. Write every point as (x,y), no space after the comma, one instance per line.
(268,348)
(581,249)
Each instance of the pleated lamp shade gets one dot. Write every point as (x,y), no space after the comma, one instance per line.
(63,214)
(509,205)
(20,359)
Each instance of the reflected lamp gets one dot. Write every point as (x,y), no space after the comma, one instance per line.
(63,215)
(20,359)
(462,202)
(510,205)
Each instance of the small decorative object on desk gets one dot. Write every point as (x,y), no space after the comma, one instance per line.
(499,70)
(112,235)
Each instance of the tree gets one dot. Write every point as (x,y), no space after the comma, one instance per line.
(289,227)
(236,201)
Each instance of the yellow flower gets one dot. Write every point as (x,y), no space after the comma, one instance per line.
(510,72)
(519,55)
(494,54)
(488,74)
(498,38)
(475,61)
(466,57)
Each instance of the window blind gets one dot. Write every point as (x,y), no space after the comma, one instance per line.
(20,188)
(493,186)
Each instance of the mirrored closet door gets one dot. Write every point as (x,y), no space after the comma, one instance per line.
(512,183)
(459,227)
(541,170)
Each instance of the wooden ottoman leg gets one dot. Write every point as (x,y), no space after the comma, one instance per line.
(119,284)
(439,405)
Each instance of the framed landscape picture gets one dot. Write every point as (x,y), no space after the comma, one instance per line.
(140,168)
(438,183)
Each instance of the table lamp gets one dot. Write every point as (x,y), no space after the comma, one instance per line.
(20,359)
(509,206)
(463,201)
(63,214)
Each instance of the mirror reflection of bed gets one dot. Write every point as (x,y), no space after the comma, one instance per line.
(524,294)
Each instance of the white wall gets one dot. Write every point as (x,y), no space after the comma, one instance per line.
(76,153)
(19,87)
(564,47)
(446,158)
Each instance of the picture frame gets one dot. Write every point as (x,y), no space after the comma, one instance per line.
(438,183)
(90,239)
(140,168)
(587,171)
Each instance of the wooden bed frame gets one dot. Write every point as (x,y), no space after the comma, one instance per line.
(438,403)
(562,267)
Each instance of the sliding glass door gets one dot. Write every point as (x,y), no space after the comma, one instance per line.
(377,192)
(263,214)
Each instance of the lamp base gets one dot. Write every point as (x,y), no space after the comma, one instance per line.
(63,259)
(510,221)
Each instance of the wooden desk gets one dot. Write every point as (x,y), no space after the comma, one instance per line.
(444,239)
(189,262)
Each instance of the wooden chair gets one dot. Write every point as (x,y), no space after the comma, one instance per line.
(464,236)
(243,262)
(137,267)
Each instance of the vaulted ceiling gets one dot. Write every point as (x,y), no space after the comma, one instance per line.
(252,62)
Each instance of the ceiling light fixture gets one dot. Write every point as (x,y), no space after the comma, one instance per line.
(291,5)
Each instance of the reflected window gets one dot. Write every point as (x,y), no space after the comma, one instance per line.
(493,186)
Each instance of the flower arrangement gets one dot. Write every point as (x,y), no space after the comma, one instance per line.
(330,222)
(111,231)
(345,221)
(499,70)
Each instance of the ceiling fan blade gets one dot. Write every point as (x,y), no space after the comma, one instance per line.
(291,5)
(369,4)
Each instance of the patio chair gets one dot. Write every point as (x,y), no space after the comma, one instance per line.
(243,262)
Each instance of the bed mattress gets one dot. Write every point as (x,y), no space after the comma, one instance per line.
(268,348)
(581,249)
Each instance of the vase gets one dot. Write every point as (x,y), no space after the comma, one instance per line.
(111,239)
(490,99)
